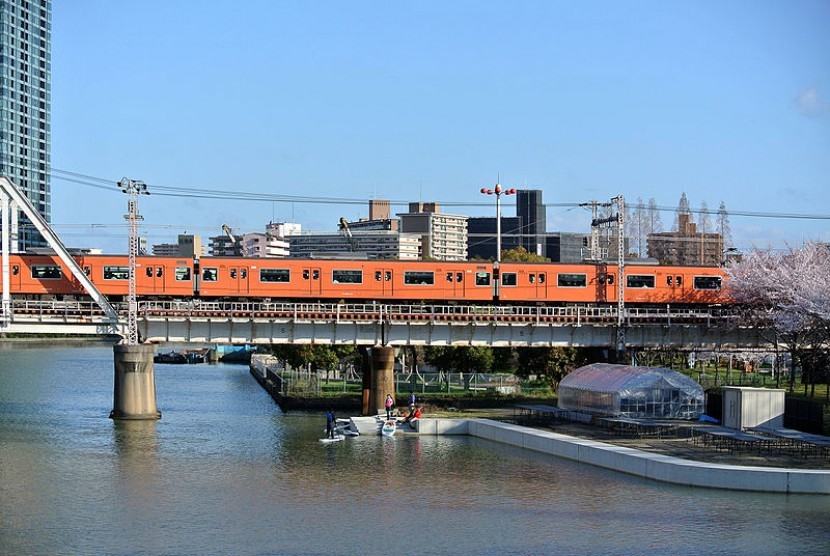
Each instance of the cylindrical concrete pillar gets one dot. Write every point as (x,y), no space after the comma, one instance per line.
(366,373)
(383,377)
(134,394)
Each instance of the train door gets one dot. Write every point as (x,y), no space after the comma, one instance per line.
(538,284)
(676,284)
(153,279)
(15,273)
(384,282)
(239,276)
(455,283)
(313,278)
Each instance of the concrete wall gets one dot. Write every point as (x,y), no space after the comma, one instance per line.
(654,466)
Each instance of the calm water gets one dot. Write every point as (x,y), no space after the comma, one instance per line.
(226,472)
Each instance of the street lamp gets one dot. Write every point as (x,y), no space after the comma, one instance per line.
(498,192)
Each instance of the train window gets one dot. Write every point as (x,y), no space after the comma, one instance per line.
(87,270)
(669,280)
(482,278)
(305,274)
(707,282)
(679,281)
(610,279)
(542,278)
(116,273)
(378,276)
(46,272)
(243,273)
(316,275)
(233,273)
(387,275)
(572,280)
(640,281)
(449,276)
(149,272)
(415,277)
(210,275)
(159,272)
(274,275)
(182,273)
(346,276)
(531,278)
(16,270)
(508,279)
(459,276)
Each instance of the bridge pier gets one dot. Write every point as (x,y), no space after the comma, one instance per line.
(134,395)
(383,378)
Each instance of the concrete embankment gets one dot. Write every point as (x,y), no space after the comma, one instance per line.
(657,467)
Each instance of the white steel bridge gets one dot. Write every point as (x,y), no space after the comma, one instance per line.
(197,321)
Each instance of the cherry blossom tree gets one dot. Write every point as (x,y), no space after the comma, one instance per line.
(787,294)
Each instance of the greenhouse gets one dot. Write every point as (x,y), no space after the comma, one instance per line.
(623,390)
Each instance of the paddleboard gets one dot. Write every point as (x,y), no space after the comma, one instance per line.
(337,438)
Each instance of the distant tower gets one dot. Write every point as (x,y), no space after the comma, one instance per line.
(531,210)
(25,100)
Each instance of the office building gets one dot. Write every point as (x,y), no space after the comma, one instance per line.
(366,244)
(188,245)
(526,229)
(686,246)
(443,236)
(25,99)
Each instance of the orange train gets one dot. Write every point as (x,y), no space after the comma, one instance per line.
(44,276)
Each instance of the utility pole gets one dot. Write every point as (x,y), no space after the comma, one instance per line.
(596,254)
(133,189)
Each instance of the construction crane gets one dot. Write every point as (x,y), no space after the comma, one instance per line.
(344,228)
(236,245)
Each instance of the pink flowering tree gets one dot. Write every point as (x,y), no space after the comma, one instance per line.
(788,295)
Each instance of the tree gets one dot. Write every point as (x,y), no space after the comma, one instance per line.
(723,225)
(704,221)
(521,255)
(683,208)
(786,294)
(549,364)
(654,224)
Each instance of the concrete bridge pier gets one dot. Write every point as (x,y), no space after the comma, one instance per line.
(134,394)
(383,378)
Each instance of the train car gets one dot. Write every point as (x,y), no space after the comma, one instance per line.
(558,283)
(40,276)
(350,280)
(155,277)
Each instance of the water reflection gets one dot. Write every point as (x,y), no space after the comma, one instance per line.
(226,472)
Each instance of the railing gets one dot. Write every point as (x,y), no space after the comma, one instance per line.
(369,312)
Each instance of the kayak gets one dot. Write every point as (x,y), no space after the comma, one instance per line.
(337,438)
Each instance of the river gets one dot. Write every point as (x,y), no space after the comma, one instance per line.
(225,471)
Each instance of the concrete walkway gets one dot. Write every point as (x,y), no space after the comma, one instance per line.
(658,467)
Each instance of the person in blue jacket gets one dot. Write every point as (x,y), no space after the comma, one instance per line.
(330,424)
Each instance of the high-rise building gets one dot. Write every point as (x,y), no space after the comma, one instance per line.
(526,229)
(25,100)
(443,236)
(686,246)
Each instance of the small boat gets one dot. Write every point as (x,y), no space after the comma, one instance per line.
(389,428)
(173,357)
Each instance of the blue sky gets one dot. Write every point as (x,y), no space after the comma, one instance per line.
(725,101)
